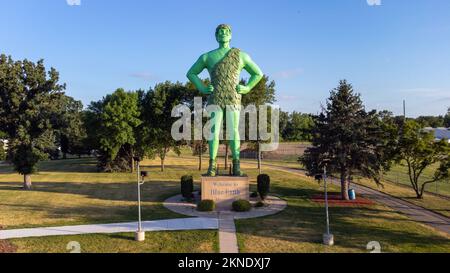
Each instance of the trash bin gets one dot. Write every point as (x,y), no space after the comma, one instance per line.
(352,194)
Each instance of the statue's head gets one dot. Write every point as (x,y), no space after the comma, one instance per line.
(223,33)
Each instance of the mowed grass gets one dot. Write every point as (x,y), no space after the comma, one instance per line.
(299,228)
(429,201)
(71,192)
(399,174)
(200,241)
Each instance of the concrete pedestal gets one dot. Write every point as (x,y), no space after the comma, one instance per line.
(224,190)
(139,236)
(328,239)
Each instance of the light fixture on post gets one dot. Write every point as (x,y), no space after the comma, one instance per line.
(328,238)
(140,233)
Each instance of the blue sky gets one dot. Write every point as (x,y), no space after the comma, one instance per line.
(389,52)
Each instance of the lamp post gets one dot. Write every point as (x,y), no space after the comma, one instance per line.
(328,239)
(140,233)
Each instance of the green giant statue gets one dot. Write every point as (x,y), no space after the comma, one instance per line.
(224,65)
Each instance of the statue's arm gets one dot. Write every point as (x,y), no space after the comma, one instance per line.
(255,74)
(193,73)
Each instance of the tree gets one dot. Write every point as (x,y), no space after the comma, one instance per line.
(447,119)
(29,97)
(299,127)
(347,139)
(262,94)
(69,124)
(159,103)
(431,121)
(420,151)
(284,124)
(2,151)
(118,119)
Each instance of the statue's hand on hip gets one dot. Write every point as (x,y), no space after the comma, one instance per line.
(242,89)
(208,89)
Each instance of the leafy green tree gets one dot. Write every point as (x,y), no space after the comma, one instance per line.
(284,125)
(299,127)
(262,94)
(159,103)
(2,151)
(119,118)
(431,121)
(29,98)
(420,151)
(347,139)
(70,129)
(447,119)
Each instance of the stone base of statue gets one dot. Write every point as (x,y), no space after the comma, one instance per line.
(224,190)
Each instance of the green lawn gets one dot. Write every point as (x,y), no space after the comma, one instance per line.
(399,175)
(156,242)
(299,228)
(71,192)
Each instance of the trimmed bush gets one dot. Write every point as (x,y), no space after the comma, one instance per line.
(206,205)
(187,186)
(254,194)
(259,204)
(263,185)
(241,205)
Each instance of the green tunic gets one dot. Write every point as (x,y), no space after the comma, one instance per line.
(224,79)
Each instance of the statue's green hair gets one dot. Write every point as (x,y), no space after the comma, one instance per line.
(221,26)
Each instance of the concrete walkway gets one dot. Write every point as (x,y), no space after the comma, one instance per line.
(227,234)
(227,228)
(414,212)
(148,226)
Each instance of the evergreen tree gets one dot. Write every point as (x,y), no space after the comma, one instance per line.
(347,139)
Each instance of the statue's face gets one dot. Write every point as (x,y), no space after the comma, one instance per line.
(223,35)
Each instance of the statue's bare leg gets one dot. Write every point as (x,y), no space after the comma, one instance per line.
(216,119)
(234,139)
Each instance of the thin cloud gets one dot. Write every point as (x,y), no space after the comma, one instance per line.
(287,97)
(147,76)
(289,73)
(429,93)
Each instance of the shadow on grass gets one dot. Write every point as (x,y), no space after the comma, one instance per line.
(155,191)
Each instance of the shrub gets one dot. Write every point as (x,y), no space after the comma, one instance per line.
(187,186)
(263,185)
(206,205)
(241,205)
(259,204)
(254,194)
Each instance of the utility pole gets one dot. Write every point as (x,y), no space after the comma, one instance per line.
(404,109)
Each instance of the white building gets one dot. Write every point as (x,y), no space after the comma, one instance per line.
(439,133)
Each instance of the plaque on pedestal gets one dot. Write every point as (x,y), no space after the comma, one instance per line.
(224,190)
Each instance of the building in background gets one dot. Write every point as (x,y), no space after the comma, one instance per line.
(439,133)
